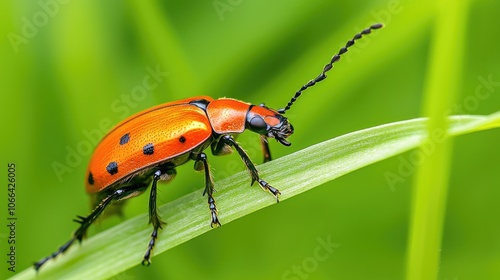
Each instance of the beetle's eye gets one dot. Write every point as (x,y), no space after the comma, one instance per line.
(258,125)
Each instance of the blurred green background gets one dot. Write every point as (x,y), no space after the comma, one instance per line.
(70,69)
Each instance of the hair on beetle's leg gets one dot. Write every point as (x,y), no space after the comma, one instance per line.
(201,163)
(154,217)
(85,222)
(251,167)
(265,148)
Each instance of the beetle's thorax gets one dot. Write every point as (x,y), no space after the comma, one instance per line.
(231,116)
(227,115)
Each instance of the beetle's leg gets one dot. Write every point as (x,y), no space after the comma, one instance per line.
(265,148)
(85,222)
(201,163)
(221,148)
(154,217)
(263,142)
(228,139)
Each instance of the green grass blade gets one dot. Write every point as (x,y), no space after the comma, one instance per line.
(121,247)
(431,181)
(163,46)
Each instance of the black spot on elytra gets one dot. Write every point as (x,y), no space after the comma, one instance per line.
(91,178)
(125,138)
(182,139)
(112,168)
(149,149)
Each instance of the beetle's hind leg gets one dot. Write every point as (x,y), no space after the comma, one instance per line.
(85,222)
(164,174)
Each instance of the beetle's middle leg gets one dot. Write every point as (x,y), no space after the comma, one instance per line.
(201,163)
(163,174)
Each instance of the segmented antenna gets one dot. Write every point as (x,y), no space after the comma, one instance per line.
(329,66)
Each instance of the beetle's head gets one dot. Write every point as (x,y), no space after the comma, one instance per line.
(270,123)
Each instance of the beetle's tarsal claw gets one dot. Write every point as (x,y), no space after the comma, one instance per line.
(274,191)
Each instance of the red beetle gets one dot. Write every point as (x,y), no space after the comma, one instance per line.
(148,146)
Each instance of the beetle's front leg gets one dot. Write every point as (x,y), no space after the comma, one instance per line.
(201,164)
(265,148)
(229,140)
(221,148)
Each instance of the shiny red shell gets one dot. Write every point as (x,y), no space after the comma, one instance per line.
(163,133)
(145,139)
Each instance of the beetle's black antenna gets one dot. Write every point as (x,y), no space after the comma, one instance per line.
(329,66)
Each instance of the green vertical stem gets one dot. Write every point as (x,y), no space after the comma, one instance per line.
(431,181)
(162,44)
